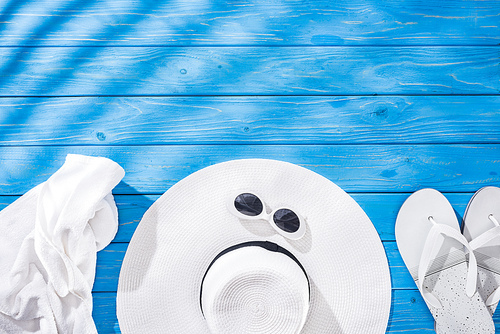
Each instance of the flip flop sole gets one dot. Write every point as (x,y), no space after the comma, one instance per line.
(446,275)
(485,201)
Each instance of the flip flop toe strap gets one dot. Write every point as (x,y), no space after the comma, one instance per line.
(479,242)
(431,247)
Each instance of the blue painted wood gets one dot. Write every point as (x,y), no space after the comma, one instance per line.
(253,22)
(355,168)
(379,148)
(248,71)
(104,312)
(249,120)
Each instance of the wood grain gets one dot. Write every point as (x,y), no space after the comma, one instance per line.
(355,168)
(381,98)
(104,313)
(253,22)
(98,71)
(249,120)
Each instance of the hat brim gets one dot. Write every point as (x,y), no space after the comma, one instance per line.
(182,232)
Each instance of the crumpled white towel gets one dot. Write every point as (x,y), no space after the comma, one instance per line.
(48,243)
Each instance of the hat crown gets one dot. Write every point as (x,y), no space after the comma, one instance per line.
(254,290)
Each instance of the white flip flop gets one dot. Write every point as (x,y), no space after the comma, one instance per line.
(482,229)
(432,247)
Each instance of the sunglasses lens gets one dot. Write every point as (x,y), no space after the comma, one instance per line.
(248,204)
(286,220)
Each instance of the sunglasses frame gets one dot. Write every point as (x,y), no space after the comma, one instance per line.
(269,217)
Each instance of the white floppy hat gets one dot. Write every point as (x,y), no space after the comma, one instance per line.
(293,254)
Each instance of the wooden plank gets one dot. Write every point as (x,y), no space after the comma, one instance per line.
(104,312)
(295,22)
(355,168)
(249,120)
(122,71)
(382,209)
(409,313)
(109,262)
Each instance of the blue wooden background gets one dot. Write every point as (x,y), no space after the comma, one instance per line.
(381,97)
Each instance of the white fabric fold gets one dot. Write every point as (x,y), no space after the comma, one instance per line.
(48,243)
